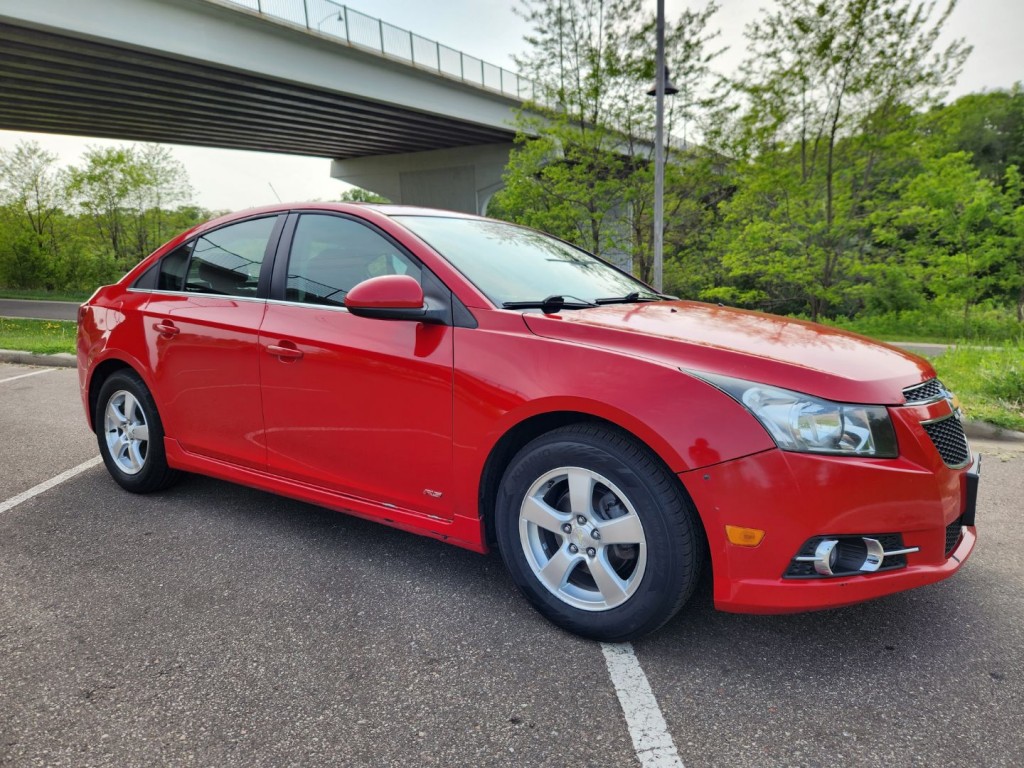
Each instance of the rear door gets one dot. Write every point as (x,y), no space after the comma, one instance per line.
(202,325)
(359,406)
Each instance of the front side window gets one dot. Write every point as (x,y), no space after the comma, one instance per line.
(331,254)
(227,261)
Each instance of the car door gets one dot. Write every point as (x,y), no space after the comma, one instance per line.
(356,405)
(202,324)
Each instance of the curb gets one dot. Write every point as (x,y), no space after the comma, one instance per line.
(60,360)
(982,430)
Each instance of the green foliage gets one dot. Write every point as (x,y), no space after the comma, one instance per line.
(125,191)
(582,167)
(76,297)
(360,195)
(73,229)
(988,126)
(826,89)
(937,323)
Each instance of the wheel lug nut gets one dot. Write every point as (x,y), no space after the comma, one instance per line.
(566,528)
(591,552)
(581,519)
(595,534)
(573,548)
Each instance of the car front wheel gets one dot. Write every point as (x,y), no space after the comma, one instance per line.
(597,533)
(130,434)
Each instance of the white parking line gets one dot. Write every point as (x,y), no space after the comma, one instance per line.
(24,375)
(46,485)
(651,740)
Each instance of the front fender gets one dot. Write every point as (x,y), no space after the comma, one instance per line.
(505,376)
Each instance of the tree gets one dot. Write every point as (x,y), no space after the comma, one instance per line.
(360,195)
(955,224)
(125,191)
(582,164)
(31,196)
(990,126)
(826,89)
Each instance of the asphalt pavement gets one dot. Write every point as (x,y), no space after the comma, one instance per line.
(216,625)
(39,310)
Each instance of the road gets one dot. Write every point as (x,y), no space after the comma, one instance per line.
(217,625)
(39,310)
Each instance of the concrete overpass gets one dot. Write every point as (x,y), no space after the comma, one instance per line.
(398,114)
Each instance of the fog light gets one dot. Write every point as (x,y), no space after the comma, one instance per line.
(826,556)
(744,537)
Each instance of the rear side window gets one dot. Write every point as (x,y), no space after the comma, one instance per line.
(227,261)
(173,267)
(331,254)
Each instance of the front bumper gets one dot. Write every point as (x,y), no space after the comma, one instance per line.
(794,497)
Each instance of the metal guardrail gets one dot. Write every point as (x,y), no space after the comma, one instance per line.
(350,27)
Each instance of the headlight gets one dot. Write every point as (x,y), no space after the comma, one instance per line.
(799,422)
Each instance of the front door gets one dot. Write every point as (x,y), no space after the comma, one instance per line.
(356,405)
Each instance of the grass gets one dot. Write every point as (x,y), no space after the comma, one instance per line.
(43,337)
(39,294)
(935,324)
(989,382)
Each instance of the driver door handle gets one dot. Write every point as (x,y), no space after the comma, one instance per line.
(284,352)
(166,328)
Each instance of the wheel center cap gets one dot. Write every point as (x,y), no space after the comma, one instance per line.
(578,537)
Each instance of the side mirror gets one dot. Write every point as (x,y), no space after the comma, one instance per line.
(392,297)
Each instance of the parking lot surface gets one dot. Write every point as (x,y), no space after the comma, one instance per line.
(212,624)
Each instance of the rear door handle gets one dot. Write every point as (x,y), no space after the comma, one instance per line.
(166,328)
(285,353)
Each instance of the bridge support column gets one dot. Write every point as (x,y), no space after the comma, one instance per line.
(459,179)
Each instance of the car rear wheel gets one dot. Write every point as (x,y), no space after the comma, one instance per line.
(597,533)
(130,434)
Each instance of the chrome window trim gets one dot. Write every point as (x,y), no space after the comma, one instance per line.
(308,305)
(228,297)
(282,302)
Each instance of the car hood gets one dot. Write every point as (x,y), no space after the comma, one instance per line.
(781,351)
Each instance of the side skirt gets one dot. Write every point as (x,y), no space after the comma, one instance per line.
(461,531)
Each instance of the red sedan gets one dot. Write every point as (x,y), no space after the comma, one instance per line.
(484,383)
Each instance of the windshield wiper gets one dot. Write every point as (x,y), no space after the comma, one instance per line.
(629,298)
(550,305)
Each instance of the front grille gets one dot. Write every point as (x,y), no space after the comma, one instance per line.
(953,531)
(948,436)
(928,390)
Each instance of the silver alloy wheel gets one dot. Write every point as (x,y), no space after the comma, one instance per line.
(582,539)
(127,432)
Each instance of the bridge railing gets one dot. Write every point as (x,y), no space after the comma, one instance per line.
(353,28)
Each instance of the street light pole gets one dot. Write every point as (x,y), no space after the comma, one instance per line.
(659,149)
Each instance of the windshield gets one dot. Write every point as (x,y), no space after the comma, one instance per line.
(514,264)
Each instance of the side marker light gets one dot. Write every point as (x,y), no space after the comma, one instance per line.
(744,537)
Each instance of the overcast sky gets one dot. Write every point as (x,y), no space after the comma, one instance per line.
(488,29)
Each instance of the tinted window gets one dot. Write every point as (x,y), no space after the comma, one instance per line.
(331,254)
(227,261)
(173,267)
(512,263)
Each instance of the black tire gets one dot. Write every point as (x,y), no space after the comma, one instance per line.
(618,480)
(138,465)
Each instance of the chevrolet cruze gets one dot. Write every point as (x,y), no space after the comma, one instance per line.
(488,385)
